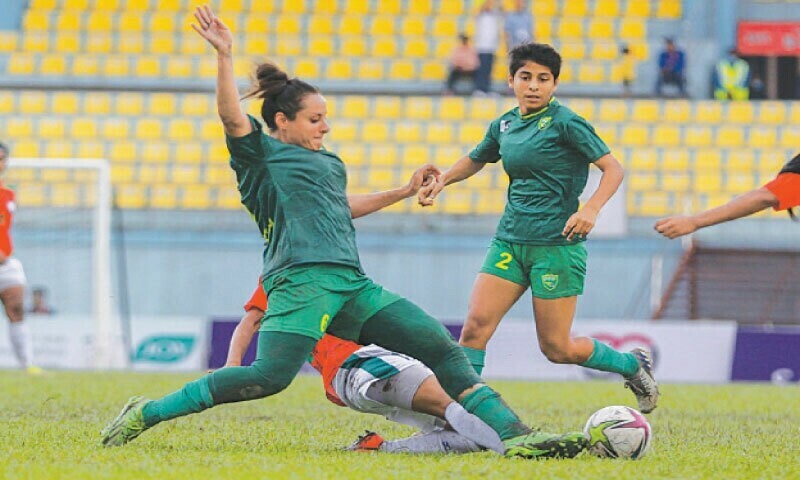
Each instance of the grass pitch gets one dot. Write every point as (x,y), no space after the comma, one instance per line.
(49,429)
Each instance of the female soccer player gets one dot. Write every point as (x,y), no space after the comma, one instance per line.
(546,151)
(295,191)
(12,278)
(371,379)
(782,193)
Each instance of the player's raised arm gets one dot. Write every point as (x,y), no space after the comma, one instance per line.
(366,203)
(219,36)
(461,170)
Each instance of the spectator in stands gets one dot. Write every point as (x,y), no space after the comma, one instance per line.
(39,304)
(758,89)
(487,41)
(671,65)
(782,193)
(463,65)
(732,77)
(519,25)
(628,70)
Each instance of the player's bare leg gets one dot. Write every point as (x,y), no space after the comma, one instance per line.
(12,299)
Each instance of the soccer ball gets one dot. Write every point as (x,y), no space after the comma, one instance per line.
(618,432)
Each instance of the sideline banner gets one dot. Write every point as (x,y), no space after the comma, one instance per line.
(689,351)
(158,343)
(768,38)
(767,354)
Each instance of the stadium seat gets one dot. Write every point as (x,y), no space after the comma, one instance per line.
(771,112)
(184,174)
(613,111)
(457,202)
(383,155)
(407,132)
(388,107)
(571,28)
(708,111)
(195,197)
(583,107)
(643,159)
(383,47)
(33,102)
(86,128)
(471,133)
(163,196)
(642,181)
(351,25)
(675,159)
(601,29)
(669,9)
(675,182)
(21,64)
(411,27)
(115,128)
(571,51)
(706,181)
(677,111)
(415,48)
(740,161)
(637,8)
(790,137)
(576,8)
(375,132)
(402,70)
(419,108)
(730,136)
(370,69)
(740,112)
(339,69)
(647,111)
(698,136)
(737,183)
(382,25)
(762,137)
(56,149)
(635,134)
(707,159)
(606,8)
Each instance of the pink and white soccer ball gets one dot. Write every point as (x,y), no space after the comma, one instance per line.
(618,432)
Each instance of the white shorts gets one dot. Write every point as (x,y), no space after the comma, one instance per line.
(378,366)
(11,274)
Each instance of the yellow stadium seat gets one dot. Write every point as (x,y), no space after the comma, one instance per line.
(163,22)
(635,135)
(415,155)
(669,9)
(740,161)
(675,182)
(601,29)
(219,175)
(632,29)
(388,107)
(637,8)
(370,69)
(577,8)
(675,159)
(419,7)
(644,159)
(438,133)
(321,45)
(106,5)
(344,130)
(698,136)
(7,101)
(707,182)
(186,152)
(68,20)
(415,48)
(85,65)
(642,181)
(195,104)
(355,107)
(383,155)
(740,112)
(36,42)
(433,70)
(647,111)
(64,103)
(382,25)
(321,25)
(736,183)
(353,46)
(352,154)
(148,66)
(384,47)
(790,137)
(52,128)
(163,196)
(97,103)
(33,102)
(402,70)
(185,173)
(168,5)
(121,173)
(65,195)
(407,132)
(54,64)
(413,26)
(572,51)
(131,43)
(196,197)
(148,129)
(677,111)
(130,21)
(613,110)
(730,136)
(339,69)
(542,27)
(67,42)
(452,108)
(162,104)
(124,151)
(181,129)
(99,21)
(666,135)
(115,128)
(470,133)
(606,8)
(306,68)
(771,112)
(84,128)
(351,25)
(570,28)
(445,27)
(99,43)
(24,148)
(420,108)
(257,24)
(8,41)
(457,202)
(708,111)
(162,43)
(355,7)
(381,178)
(707,159)
(374,131)
(762,137)
(288,24)
(154,152)
(451,7)
(129,103)
(115,66)
(36,20)
(137,5)
(483,109)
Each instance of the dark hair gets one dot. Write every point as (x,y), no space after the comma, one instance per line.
(540,53)
(279,92)
(4,148)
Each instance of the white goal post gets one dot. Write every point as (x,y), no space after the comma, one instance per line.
(107,340)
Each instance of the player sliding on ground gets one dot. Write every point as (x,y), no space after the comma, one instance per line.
(371,379)
(546,150)
(295,191)
(782,193)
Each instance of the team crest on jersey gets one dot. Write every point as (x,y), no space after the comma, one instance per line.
(504,125)
(545,122)
(550,281)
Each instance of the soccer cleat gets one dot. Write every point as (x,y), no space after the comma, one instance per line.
(642,384)
(539,444)
(128,425)
(370,441)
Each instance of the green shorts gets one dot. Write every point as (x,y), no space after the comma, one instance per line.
(552,271)
(313,299)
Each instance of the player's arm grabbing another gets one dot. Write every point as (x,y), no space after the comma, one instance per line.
(366,203)
(248,326)
(782,193)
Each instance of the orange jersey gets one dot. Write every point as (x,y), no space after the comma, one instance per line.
(7,207)
(328,355)
(786,186)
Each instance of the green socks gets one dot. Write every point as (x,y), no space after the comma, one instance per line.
(477,358)
(487,405)
(192,398)
(607,359)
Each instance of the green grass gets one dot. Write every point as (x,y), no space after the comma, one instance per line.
(49,429)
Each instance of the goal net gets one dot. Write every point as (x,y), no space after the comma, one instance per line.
(62,236)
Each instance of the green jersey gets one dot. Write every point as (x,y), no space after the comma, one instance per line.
(546,155)
(297,197)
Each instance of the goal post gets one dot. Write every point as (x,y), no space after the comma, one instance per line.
(106,332)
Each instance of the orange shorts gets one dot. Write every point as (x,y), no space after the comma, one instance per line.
(786,187)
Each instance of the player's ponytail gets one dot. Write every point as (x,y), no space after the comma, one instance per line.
(279,92)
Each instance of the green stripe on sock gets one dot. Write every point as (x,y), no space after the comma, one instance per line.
(607,359)
(477,358)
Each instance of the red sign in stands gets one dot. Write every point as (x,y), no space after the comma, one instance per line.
(768,38)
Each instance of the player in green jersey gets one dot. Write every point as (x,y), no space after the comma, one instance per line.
(546,150)
(295,191)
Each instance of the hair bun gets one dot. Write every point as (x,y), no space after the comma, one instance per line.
(270,81)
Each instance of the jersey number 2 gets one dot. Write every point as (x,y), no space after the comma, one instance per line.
(506,259)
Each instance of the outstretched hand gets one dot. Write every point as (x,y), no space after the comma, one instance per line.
(674,227)
(213,30)
(422,178)
(427,194)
